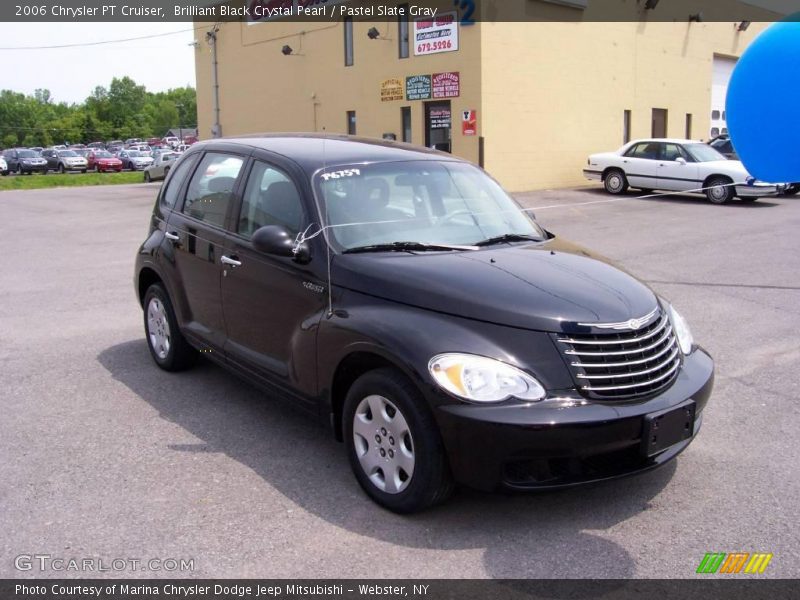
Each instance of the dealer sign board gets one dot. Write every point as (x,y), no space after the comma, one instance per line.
(432,36)
(446,85)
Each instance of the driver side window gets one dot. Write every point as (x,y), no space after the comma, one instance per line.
(270,198)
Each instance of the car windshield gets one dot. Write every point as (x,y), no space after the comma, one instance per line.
(27,154)
(703,152)
(102,155)
(67,153)
(134,153)
(424,202)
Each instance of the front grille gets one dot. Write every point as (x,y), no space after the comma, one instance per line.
(623,365)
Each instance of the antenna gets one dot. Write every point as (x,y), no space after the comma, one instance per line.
(325,226)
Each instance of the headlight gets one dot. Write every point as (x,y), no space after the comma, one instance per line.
(482,379)
(682,331)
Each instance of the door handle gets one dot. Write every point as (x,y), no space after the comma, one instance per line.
(227,260)
(171,235)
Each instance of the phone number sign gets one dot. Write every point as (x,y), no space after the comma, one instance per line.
(432,36)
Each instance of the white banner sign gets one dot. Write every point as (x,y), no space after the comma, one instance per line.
(439,34)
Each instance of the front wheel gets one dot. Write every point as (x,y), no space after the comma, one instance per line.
(146,177)
(615,182)
(167,345)
(61,169)
(393,444)
(719,190)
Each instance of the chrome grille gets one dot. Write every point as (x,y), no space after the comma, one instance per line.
(623,365)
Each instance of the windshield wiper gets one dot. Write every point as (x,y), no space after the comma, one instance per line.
(509,237)
(406,247)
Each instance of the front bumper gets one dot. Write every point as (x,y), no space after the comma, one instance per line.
(566,441)
(30,168)
(759,190)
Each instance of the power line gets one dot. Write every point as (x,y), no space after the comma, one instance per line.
(85,44)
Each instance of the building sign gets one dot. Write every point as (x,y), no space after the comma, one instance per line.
(418,87)
(446,85)
(439,117)
(432,36)
(391,89)
(469,122)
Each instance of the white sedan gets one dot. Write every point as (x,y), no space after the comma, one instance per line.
(676,166)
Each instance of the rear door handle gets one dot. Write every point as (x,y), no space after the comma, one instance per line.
(171,235)
(227,260)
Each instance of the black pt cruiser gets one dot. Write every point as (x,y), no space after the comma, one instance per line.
(402,297)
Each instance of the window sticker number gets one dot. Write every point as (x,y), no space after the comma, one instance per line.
(340,174)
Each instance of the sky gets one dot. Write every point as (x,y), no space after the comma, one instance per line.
(72,73)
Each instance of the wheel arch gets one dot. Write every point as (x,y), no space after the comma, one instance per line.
(147,277)
(349,369)
(713,176)
(607,170)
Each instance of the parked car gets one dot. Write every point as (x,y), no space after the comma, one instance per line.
(24,161)
(3,166)
(134,160)
(160,167)
(96,145)
(676,165)
(182,148)
(37,149)
(64,160)
(190,140)
(77,146)
(722,144)
(171,141)
(437,328)
(153,141)
(103,161)
(131,141)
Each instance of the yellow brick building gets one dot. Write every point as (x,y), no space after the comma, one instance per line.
(543,94)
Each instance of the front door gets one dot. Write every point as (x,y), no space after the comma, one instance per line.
(271,303)
(438,125)
(200,228)
(675,174)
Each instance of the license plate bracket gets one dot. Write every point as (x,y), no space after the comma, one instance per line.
(663,429)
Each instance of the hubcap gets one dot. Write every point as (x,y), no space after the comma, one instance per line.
(158,328)
(383,444)
(614,182)
(718,192)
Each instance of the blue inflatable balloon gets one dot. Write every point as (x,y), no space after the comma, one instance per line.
(763,104)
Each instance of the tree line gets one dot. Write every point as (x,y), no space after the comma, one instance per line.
(122,110)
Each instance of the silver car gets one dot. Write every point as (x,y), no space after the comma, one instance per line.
(135,160)
(160,167)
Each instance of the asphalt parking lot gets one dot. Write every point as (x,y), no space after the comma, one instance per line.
(104,455)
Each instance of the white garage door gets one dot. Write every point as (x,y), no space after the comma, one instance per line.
(723,67)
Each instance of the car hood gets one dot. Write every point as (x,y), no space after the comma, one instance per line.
(549,286)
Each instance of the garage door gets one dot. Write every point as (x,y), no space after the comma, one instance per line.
(723,67)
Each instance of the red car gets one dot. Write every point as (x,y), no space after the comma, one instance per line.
(102,160)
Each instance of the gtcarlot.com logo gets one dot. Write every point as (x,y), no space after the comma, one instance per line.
(48,562)
(734,562)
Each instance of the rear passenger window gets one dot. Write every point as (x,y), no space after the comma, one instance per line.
(270,198)
(211,188)
(648,150)
(179,173)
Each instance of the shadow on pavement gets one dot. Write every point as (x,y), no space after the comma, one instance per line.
(548,535)
(678,198)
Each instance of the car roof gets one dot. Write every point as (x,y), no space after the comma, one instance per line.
(312,150)
(667,140)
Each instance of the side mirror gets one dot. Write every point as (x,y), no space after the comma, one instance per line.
(680,160)
(276,240)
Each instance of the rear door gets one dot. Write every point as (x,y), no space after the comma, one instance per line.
(197,232)
(640,164)
(271,303)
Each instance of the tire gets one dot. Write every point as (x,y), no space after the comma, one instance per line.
(166,172)
(168,347)
(4,173)
(146,177)
(402,437)
(83,170)
(792,190)
(719,190)
(19,169)
(615,182)
(61,169)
